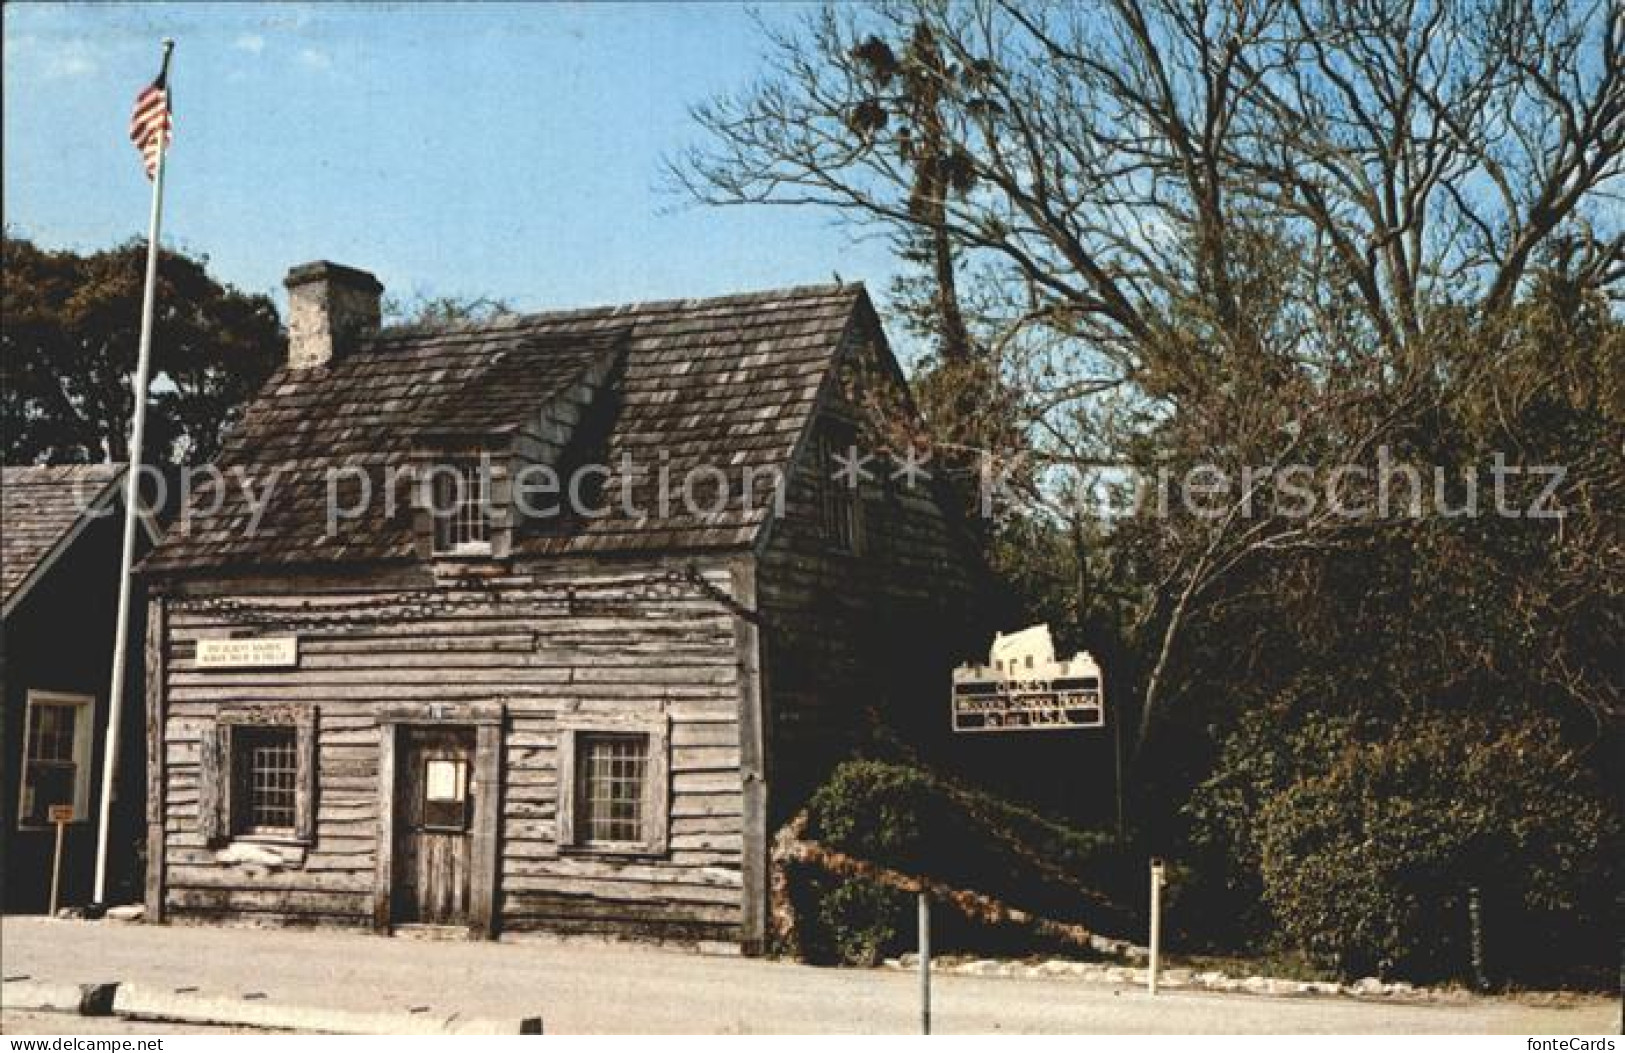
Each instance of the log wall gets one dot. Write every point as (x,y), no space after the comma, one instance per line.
(637,638)
(857,641)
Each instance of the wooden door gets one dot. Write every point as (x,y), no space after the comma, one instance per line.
(434,814)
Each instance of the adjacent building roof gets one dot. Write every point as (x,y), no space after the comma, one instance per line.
(42,511)
(727,383)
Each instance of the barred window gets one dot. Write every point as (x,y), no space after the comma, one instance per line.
(613,770)
(266,762)
(462,512)
(257,773)
(839,490)
(614,782)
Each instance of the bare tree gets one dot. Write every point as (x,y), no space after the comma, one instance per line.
(1249,229)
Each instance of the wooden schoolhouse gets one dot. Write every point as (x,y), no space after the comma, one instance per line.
(390,685)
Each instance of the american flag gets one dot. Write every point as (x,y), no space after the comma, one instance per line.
(150,123)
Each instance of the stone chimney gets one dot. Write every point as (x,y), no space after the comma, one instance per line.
(329,306)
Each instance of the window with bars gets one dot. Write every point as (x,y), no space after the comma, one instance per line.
(838,489)
(56,757)
(265,762)
(613,770)
(614,782)
(462,511)
(257,774)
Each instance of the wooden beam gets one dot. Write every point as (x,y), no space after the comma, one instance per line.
(441,713)
(214,781)
(384,865)
(752,762)
(305,801)
(566,809)
(486,832)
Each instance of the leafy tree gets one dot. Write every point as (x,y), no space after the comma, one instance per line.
(70,342)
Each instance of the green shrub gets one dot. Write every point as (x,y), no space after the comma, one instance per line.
(1365,864)
(867,922)
(907,819)
(887,813)
(846,921)
(1270,749)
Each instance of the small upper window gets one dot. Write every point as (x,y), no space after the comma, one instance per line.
(56,757)
(462,510)
(838,484)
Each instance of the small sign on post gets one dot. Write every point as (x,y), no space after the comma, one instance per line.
(60,815)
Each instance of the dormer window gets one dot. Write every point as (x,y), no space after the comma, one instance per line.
(462,509)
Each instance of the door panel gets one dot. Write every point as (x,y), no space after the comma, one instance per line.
(433,818)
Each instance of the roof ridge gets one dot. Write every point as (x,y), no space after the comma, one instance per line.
(518,320)
(62,470)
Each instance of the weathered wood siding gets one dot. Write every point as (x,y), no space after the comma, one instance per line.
(856,639)
(629,636)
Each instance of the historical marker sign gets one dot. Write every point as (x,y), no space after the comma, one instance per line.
(1024,688)
(262,652)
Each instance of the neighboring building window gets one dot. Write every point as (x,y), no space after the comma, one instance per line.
(838,487)
(258,774)
(614,783)
(462,511)
(265,762)
(56,757)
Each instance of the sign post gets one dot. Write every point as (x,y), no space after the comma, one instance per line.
(60,815)
(1156,925)
(925,962)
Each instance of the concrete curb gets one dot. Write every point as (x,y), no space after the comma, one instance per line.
(1179,978)
(200,1007)
(83,999)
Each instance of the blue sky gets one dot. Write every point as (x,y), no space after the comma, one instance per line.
(511,151)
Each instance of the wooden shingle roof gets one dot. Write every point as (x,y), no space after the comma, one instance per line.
(725,384)
(512,385)
(42,509)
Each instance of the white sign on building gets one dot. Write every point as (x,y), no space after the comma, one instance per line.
(1024,688)
(261,652)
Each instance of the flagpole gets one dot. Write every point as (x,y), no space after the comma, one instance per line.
(132,498)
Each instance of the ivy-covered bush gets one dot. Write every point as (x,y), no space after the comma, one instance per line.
(847,921)
(909,820)
(889,814)
(1365,864)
